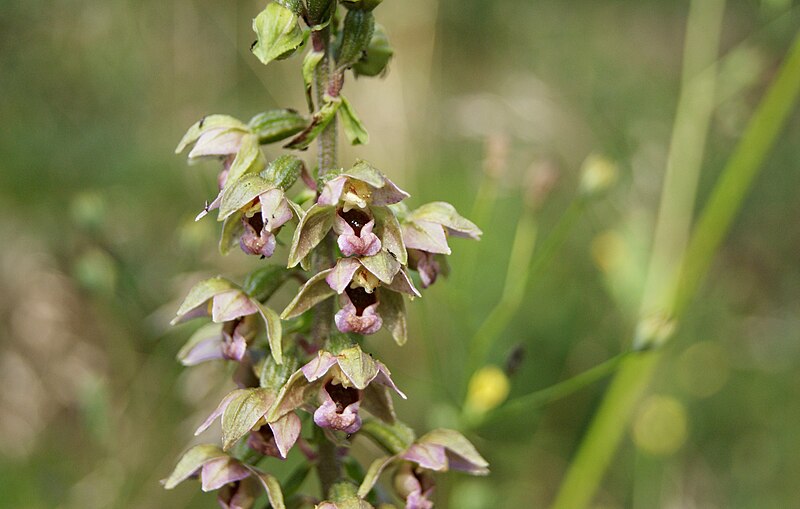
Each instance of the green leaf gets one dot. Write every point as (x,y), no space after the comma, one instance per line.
(392,308)
(271,486)
(390,233)
(241,193)
(377,56)
(373,473)
(310,62)
(205,124)
(358,366)
(279,34)
(319,121)
(353,127)
(243,413)
(263,282)
(202,292)
(275,125)
(314,291)
(315,224)
(356,36)
(382,265)
(232,229)
(191,460)
(283,171)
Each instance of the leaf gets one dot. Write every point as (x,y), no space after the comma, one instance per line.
(392,308)
(271,486)
(192,460)
(319,121)
(206,124)
(382,265)
(357,366)
(373,473)
(314,291)
(241,193)
(200,293)
(391,233)
(273,326)
(232,229)
(353,127)
(278,124)
(242,414)
(278,33)
(443,213)
(310,62)
(315,224)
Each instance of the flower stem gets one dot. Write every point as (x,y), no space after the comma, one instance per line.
(328,464)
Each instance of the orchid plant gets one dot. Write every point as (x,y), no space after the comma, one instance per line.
(305,378)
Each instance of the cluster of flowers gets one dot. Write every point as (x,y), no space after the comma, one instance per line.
(287,376)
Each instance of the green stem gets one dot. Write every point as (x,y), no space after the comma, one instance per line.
(557,391)
(328,464)
(633,378)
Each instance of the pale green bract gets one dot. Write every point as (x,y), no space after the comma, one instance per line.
(278,33)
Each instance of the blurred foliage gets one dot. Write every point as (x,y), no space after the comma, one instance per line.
(99,242)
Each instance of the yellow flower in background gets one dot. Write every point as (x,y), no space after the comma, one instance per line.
(488,388)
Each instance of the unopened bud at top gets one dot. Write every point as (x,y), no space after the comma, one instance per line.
(598,174)
(361,5)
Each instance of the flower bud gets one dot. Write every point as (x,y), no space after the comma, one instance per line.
(361,5)
(276,125)
(356,36)
(377,55)
(540,180)
(598,173)
(319,11)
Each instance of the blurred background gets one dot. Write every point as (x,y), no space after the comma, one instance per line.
(482,102)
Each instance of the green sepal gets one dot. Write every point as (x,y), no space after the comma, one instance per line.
(242,414)
(319,121)
(283,171)
(278,31)
(373,473)
(310,294)
(353,127)
(314,226)
(377,55)
(232,229)
(273,375)
(296,6)
(356,36)
(275,125)
(191,460)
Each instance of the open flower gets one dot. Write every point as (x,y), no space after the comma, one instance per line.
(370,290)
(414,486)
(343,380)
(227,304)
(218,471)
(214,341)
(244,411)
(353,204)
(425,232)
